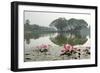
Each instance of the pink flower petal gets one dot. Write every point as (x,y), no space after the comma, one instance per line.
(68,47)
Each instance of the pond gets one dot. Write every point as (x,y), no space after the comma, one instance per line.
(56,46)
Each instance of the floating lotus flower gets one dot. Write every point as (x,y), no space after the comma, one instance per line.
(43,48)
(68,50)
(68,47)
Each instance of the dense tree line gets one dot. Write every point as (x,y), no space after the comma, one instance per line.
(36,28)
(61,24)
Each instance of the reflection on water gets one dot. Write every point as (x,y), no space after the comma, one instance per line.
(60,38)
(37,45)
(68,38)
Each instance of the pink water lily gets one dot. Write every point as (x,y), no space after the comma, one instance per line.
(68,47)
(43,46)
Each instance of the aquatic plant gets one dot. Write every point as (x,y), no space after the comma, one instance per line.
(44,48)
(68,50)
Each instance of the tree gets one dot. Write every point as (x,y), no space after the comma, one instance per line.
(77,24)
(59,23)
(62,39)
(27,22)
(27,25)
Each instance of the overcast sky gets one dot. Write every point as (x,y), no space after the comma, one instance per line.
(45,18)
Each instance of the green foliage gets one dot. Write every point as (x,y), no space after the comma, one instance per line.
(59,23)
(65,25)
(63,39)
(29,28)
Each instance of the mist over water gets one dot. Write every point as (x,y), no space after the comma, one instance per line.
(56,36)
(56,40)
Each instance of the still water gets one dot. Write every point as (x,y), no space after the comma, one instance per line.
(49,46)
